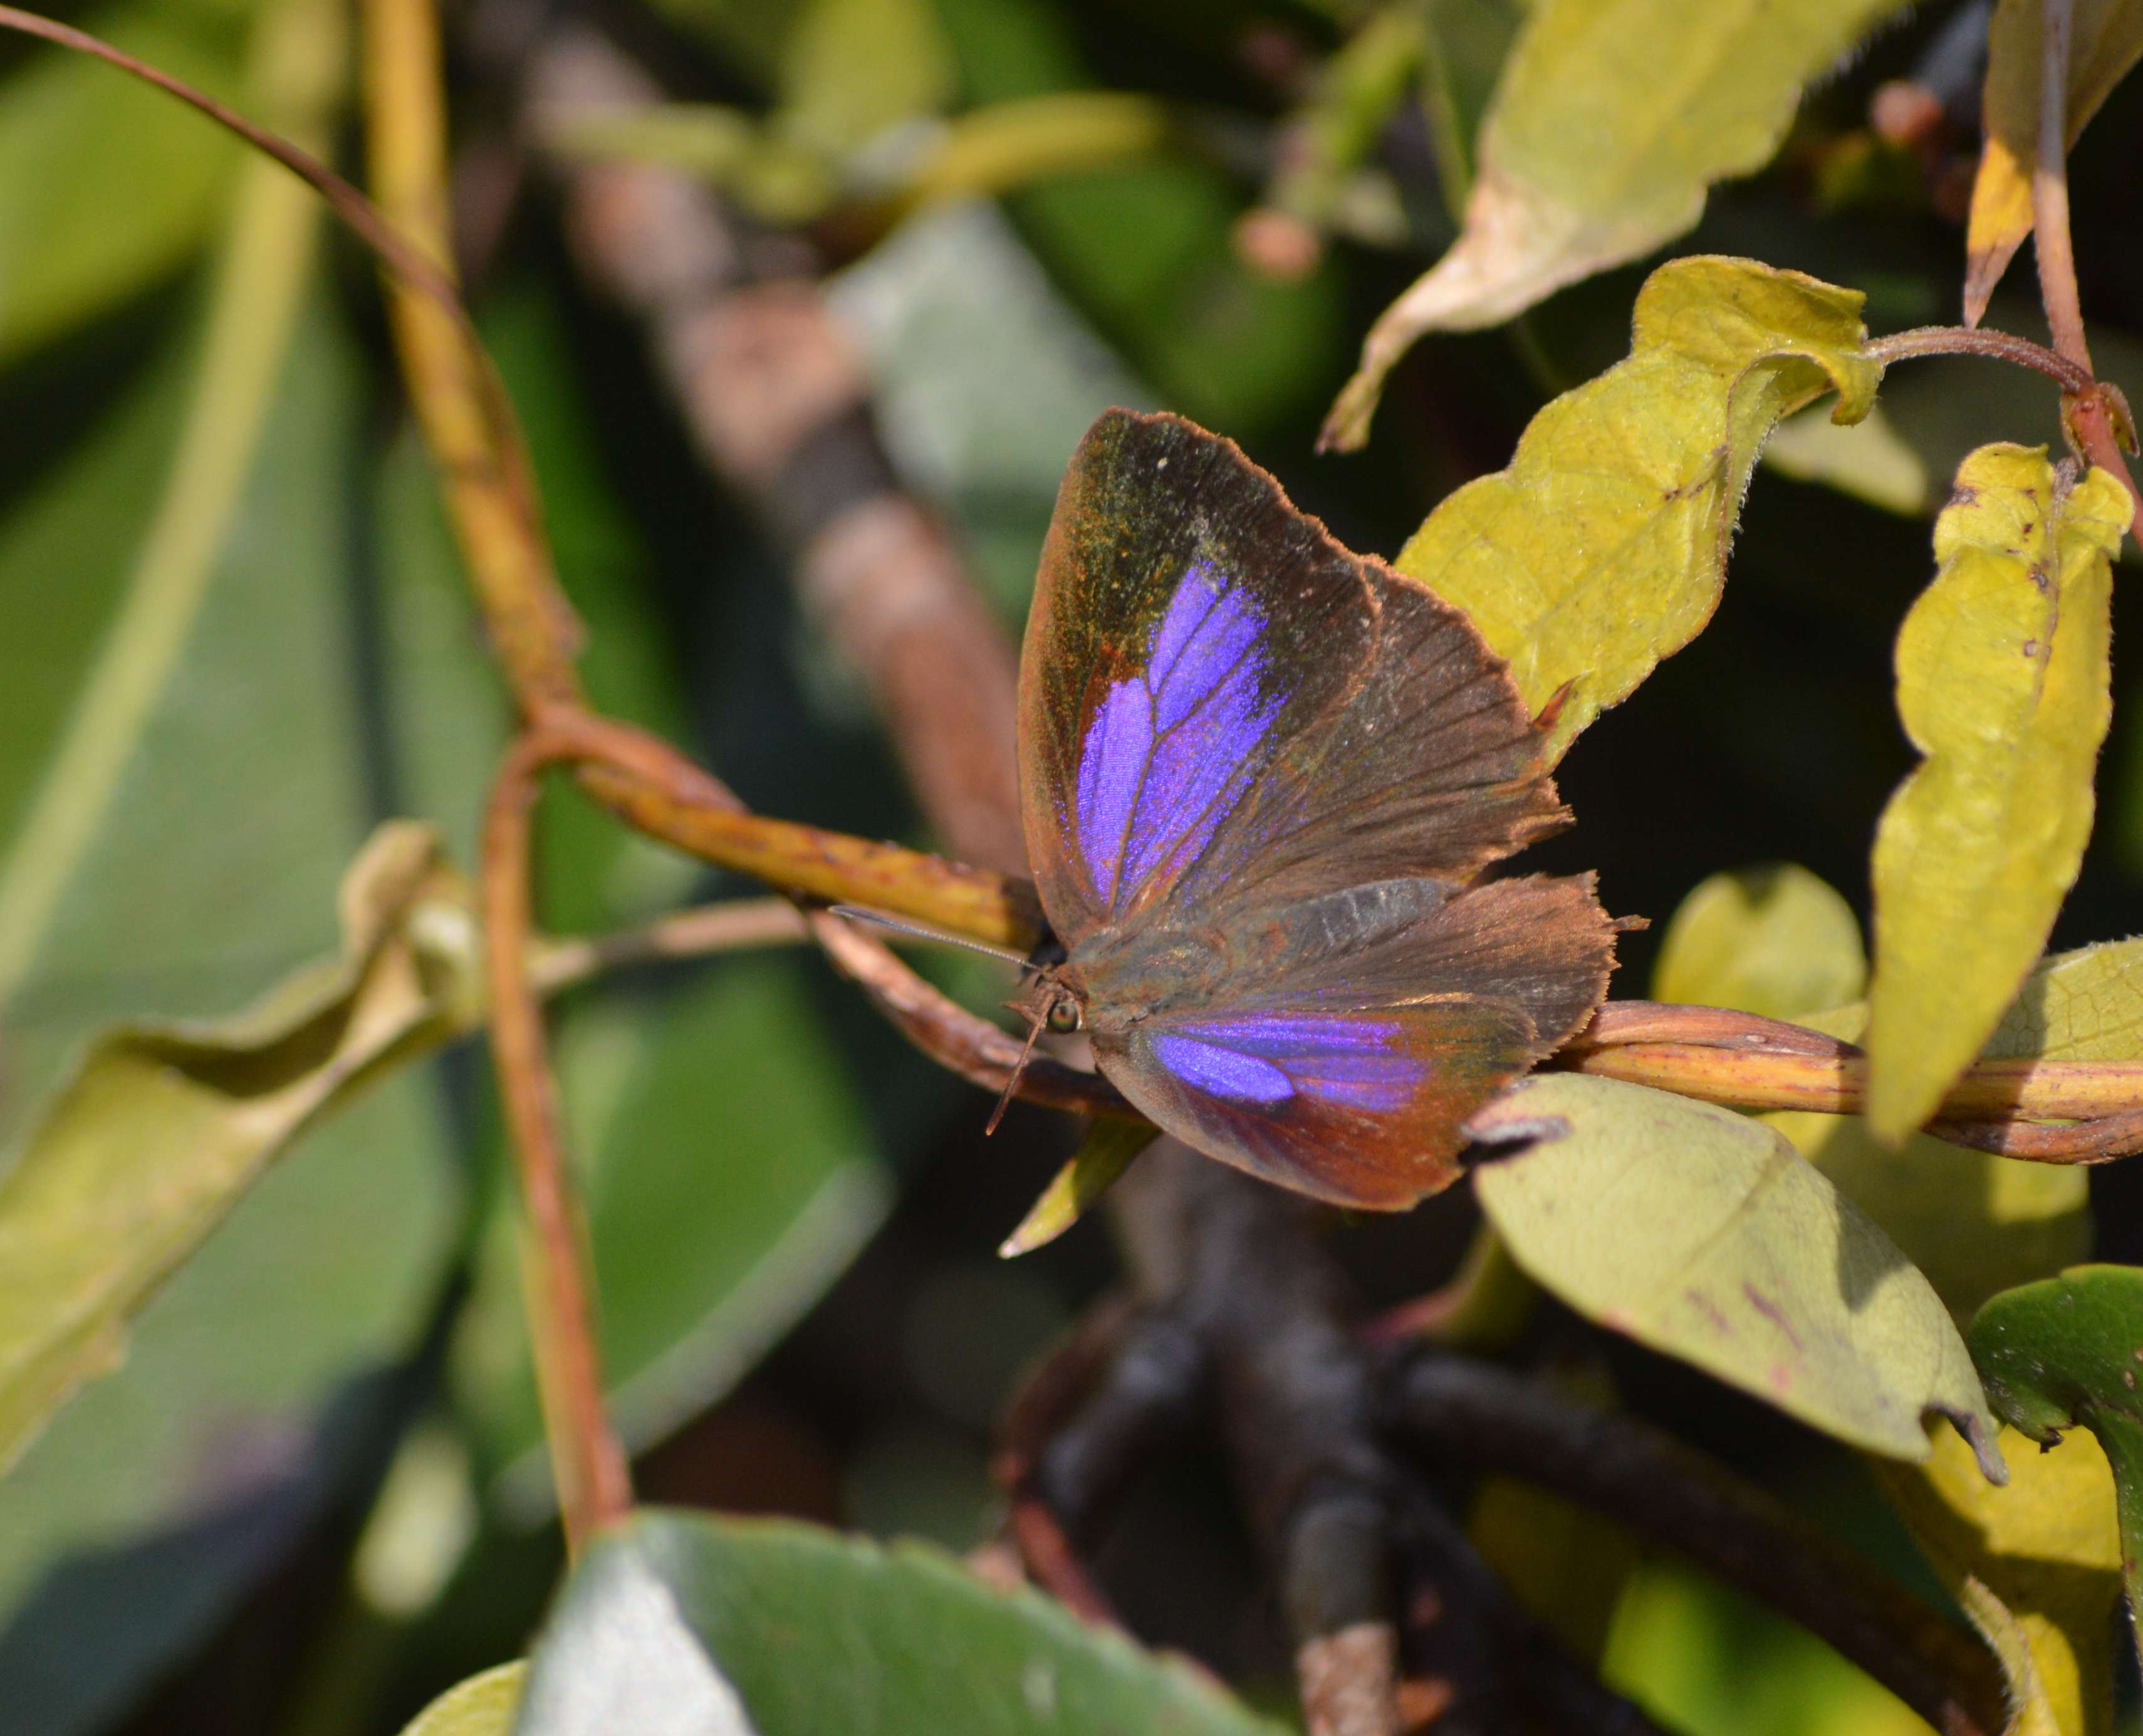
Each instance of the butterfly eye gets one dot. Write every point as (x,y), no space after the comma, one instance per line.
(1064,1016)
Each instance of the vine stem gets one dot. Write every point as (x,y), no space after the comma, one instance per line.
(1977,341)
(2088,415)
(588,1461)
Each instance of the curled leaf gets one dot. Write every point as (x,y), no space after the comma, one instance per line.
(164,1127)
(1602,548)
(1703,1234)
(1610,121)
(2003,685)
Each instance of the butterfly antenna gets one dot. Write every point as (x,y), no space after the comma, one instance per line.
(856,913)
(1011,1084)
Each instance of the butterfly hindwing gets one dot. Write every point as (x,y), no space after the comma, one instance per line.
(1348,1038)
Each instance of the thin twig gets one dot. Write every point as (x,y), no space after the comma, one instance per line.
(2087,414)
(2003,346)
(1461,1410)
(588,1462)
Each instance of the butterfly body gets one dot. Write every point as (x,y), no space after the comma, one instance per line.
(1261,777)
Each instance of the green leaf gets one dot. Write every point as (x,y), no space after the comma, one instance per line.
(1775,941)
(2085,1005)
(1703,1234)
(107,185)
(164,1127)
(2068,1352)
(484,1705)
(2003,686)
(1103,1155)
(730,1180)
(206,703)
(2035,1564)
(813,1632)
(1602,548)
(1612,119)
(851,68)
(1145,252)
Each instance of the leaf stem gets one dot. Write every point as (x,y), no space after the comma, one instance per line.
(2088,418)
(1922,340)
(588,1461)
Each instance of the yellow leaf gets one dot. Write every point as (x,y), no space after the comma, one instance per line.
(1869,460)
(1602,548)
(1703,1234)
(2003,685)
(1103,1155)
(2036,1564)
(1610,121)
(2106,39)
(1775,941)
(484,1705)
(164,1127)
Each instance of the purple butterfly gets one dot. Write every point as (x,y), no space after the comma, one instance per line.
(1260,778)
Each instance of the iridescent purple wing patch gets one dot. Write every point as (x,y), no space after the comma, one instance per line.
(1171,750)
(1344,1059)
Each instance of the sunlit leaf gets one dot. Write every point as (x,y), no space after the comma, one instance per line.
(1602,548)
(1103,1155)
(2105,40)
(484,1705)
(1612,119)
(106,185)
(165,1127)
(802,1631)
(1775,941)
(1703,1234)
(2035,1564)
(2003,686)
(2067,1353)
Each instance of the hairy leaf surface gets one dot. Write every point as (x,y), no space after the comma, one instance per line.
(1602,548)
(2003,684)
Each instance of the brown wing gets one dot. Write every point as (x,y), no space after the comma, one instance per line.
(1219,705)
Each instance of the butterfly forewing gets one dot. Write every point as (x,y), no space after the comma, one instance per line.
(1259,774)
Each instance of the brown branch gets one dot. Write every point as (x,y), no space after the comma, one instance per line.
(2086,413)
(776,399)
(588,1462)
(1748,1062)
(1463,1410)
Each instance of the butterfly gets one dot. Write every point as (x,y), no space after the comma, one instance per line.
(1260,779)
